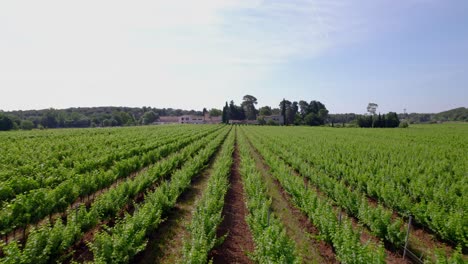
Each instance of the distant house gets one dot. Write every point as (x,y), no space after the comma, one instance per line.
(191,119)
(168,120)
(279,119)
(212,119)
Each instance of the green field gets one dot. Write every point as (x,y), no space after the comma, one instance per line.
(108,195)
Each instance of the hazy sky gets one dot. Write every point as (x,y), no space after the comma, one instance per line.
(409,54)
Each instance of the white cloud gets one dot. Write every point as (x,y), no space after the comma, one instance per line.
(116,52)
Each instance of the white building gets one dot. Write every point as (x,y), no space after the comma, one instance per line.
(279,119)
(191,119)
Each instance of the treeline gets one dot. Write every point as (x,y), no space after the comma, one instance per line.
(455,115)
(87,117)
(389,120)
(313,113)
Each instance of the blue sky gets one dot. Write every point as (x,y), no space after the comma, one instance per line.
(409,54)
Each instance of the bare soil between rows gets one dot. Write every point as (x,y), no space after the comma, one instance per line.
(316,251)
(238,242)
(166,242)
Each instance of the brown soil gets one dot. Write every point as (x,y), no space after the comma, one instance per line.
(238,242)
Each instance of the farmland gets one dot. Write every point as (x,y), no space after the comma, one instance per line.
(247,194)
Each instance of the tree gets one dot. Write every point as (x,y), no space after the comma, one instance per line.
(204,112)
(49,119)
(248,105)
(364,121)
(392,120)
(323,115)
(311,119)
(275,111)
(265,111)
(304,108)
(283,110)
(5,123)
(372,108)
(388,120)
(149,117)
(27,125)
(261,121)
(236,112)
(215,112)
(291,110)
(313,114)
(225,117)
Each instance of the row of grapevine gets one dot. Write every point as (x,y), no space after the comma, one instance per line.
(338,232)
(47,162)
(37,204)
(47,242)
(128,237)
(409,172)
(377,218)
(208,214)
(272,245)
(49,175)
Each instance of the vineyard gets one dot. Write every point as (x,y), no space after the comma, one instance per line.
(235,194)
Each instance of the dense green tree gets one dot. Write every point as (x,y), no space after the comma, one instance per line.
(304,108)
(5,123)
(225,116)
(248,105)
(389,120)
(215,112)
(392,120)
(110,122)
(261,120)
(289,111)
(149,117)
(313,114)
(364,121)
(283,110)
(275,111)
(343,118)
(265,111)
(236,112)
(298,120)
(49,119)
(27,125)
(312,119)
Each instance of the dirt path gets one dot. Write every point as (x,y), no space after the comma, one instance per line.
(165,243)
(239,241)
(298,227)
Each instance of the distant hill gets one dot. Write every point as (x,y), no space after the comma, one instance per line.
(457,114)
